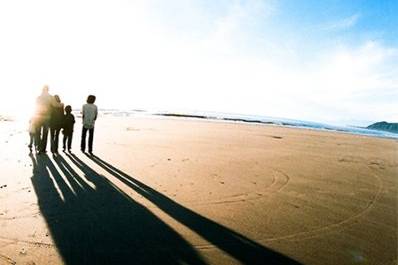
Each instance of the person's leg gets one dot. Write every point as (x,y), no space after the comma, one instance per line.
(31,141)
(90,140)
(52,138)
(56,140)
(44,137)
(70,137)
(83,142)
(36,142)
(38,137)
(64,141)
(31,136)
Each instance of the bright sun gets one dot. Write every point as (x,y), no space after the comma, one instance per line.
(19,106)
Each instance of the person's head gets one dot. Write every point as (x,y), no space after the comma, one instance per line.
(68,109)
(57,98)
(91,99)
(45,89)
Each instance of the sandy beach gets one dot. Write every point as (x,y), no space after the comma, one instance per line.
(179,191)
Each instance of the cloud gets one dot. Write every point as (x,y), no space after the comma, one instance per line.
(342,24)
(352,82)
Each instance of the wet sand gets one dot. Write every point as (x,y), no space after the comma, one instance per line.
(179,191)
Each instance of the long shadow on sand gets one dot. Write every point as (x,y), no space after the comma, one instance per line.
(243,249)
(92,222)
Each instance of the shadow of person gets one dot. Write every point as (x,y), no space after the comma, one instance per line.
(91,221)
(243,249)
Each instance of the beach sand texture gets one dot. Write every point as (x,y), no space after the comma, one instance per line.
(180,191)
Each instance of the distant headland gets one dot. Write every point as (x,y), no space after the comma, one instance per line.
(384,126)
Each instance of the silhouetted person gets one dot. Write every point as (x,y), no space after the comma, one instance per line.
(44,104)
(90,113)
(69,121)
(56,123)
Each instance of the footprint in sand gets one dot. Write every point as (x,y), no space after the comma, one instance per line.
(377,163)
(23,252)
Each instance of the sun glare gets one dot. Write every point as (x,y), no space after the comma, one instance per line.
(19,105)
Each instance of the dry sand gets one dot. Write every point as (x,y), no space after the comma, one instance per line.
(175,191)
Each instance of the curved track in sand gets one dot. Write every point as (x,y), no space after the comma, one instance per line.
(302,235)
(279,181)
(6,260)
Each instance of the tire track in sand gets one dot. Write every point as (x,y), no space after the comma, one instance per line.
(26,242)
(335,226)
(320,230)
(279,181)
(303,235)
(6,259)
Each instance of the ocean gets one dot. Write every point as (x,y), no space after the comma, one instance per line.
(229,117)
(240,118)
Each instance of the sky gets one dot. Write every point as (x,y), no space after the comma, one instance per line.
(333,61)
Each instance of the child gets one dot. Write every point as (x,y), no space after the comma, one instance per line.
(90,113)
(69,121)
(32,135)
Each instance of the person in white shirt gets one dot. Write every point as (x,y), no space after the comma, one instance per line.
(90,113)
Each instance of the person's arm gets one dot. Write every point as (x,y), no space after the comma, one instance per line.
(82,112)
(96,113)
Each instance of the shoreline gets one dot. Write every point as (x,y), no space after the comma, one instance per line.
(238,118)
(299,124)
(255,122)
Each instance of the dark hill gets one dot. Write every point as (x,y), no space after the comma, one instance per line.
(384,126)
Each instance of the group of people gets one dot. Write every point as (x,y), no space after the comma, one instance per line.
(51,115)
